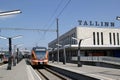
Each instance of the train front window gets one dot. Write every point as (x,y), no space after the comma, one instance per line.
(40,54)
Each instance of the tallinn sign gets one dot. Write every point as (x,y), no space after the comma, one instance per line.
(96,23)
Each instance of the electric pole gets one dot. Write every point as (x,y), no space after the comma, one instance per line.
(57,40)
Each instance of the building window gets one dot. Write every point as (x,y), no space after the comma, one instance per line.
(102,38)
(73,39)
(70,39)
(98,38)
(114,38)
(67,40)
(110,38)
(94,38)
(118,38)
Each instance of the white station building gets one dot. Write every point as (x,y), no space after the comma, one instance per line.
(96,41)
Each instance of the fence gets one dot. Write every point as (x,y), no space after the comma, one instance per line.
(105,59)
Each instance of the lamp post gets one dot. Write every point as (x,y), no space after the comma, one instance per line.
(58,45)
(64,52)
(10,49)
(10,54)
(15,55)
(64,55)
(57,40)
(79,55)
(10,41)
(52,55)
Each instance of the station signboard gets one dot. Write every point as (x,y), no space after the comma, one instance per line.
(96,23)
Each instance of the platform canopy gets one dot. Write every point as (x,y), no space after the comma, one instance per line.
(97,47)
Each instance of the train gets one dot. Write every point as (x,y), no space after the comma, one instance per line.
(5,58)
(39,56)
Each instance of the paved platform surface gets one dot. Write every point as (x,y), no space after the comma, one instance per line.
(21,71)
(101,73)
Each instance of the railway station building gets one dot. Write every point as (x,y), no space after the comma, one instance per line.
(96,41)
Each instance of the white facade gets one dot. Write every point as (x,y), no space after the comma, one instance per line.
(92,37)
(101,35)
(104,41)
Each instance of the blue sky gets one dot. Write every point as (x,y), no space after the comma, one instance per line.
(42,14)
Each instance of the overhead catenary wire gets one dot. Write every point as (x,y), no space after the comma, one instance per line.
(64,8)
(44,30)
(59,14)
(52,16)
(52,21)
(55,11)
(28,29)
(39,30)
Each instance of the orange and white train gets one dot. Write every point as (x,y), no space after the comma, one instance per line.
(5,58)
(39,56)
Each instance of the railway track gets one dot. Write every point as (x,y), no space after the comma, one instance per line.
(48,74)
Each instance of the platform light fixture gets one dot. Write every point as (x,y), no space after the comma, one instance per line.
(59,45)
(10,12)
(15,37)
(1,37)
(52,49)
(64,53)
(15,55)
(10,38)
(10,49)
(79,55)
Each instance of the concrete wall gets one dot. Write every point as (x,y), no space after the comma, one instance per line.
(86,33)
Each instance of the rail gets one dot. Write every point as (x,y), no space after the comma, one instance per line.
(48,74)
(105,59)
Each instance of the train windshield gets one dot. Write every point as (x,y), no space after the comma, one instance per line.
(40,54)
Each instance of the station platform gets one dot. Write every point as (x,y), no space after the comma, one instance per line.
(100,73)
(21,71)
